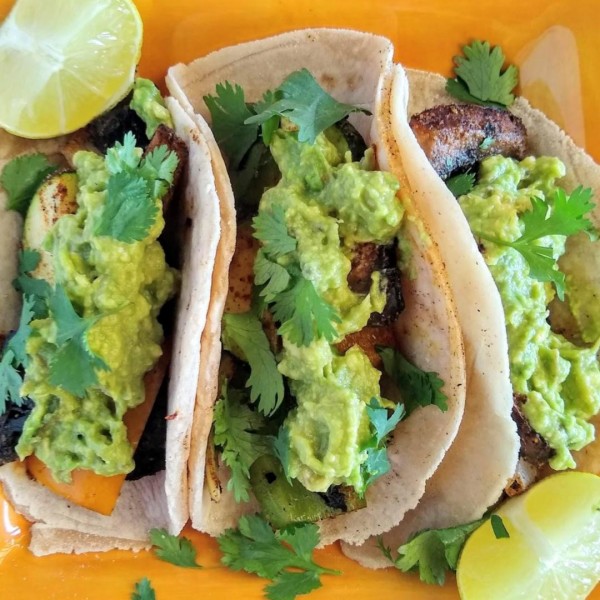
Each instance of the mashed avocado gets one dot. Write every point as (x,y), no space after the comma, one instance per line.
(149,105)
(122,286)
(560,380)
(331,203)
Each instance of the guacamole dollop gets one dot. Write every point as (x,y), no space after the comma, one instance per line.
(122,287)
(331,203)
(561,381)
(149,105)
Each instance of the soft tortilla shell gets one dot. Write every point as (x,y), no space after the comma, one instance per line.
(201,231)
(59,526)
(484,454)
(211,337)
(348,64)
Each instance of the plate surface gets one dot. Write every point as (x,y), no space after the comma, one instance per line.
(554,43)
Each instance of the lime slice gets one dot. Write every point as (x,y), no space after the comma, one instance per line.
(553,551)
(64,63)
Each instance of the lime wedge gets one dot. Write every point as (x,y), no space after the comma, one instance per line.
(64,63)
(553,551)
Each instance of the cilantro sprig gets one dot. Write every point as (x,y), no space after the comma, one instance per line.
(417,387)
(237,123)
(432,552)
(135,184)
(461,184)
(283,556)
(22,176)
(296,304)
(377,462)
(173,549)
(143,590)
(74,366)
(561,215)
(480,78)
(305,103)
(237,432)
(244,332)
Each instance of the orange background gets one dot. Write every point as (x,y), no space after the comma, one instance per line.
(555,43)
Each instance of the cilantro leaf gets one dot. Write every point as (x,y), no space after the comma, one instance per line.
(273,278)
(160,163)
(237,429)
(143,590)
(434,551)
(10,381)
(281,449)
(173,549)
(381,423)
(38,289)
(376,462)
(562,215)
(417,387)
(289,584)
(135,184)
(305,103)
(18,340)
(74,365)
(229,114)
(244,332)
(123,156)
(28,260)
(22,176)
(255,548)
(270,228)
(304,314)
(129,211)
(375,465)
(14,357)
(269,127)
(498,527)
(68,323)
(480,78)
(461,184)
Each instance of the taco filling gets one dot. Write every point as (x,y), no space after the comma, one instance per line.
(312,381)
(522,220)
(94,279)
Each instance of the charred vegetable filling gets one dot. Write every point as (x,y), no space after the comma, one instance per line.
(94,279)
(301,420)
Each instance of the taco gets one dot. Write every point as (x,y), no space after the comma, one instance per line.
(334,314)
(546,368)
(88,397)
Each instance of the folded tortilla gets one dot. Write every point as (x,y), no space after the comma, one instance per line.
(353,67)
(160,500)
(483,458)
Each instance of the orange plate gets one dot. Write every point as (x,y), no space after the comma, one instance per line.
(555,44)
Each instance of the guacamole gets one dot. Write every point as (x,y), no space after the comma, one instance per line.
(561,381)
(122,287)
(331,203)
(149,105)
